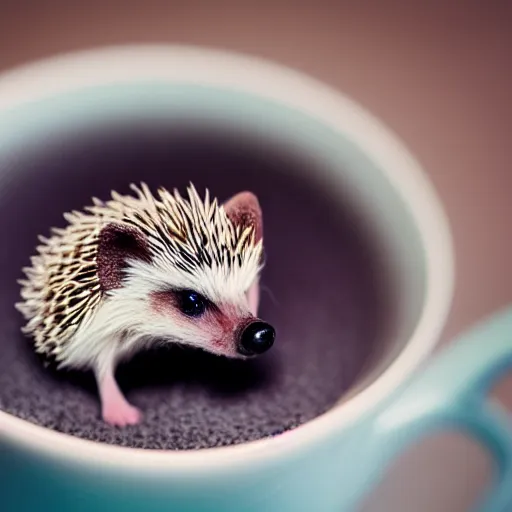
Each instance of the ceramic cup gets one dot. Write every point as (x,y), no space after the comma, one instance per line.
(330,463)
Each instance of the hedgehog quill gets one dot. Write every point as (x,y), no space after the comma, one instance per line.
(143,269)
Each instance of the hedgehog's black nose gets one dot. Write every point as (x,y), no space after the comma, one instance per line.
(256,338)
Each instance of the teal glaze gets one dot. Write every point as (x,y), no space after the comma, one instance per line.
(452,393)
(334,473)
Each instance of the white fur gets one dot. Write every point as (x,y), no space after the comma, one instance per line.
(126,321)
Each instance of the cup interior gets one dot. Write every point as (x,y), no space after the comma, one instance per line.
(346,276)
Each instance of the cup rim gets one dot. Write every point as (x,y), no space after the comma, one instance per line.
(206,66)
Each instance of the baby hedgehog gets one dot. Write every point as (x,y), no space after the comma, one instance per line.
(139,270)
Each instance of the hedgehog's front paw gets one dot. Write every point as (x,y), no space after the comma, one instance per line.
(115,409)
(121,413)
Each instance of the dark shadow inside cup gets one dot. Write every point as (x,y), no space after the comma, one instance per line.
(322,289)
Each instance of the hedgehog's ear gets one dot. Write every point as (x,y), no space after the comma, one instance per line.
(116,245)
(244,209)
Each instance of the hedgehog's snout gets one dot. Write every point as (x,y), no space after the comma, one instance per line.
(255,338)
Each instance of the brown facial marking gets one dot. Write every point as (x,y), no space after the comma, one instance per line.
(116,245)
(229,323)
(244,210)
(222,323)
(161,302)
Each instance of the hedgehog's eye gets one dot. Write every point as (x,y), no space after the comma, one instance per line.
(191,303)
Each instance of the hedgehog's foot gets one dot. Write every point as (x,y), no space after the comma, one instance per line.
(120,413)
(116,411)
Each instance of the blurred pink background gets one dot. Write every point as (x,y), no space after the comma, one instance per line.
(438,73)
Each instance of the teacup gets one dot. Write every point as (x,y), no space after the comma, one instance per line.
(332,462)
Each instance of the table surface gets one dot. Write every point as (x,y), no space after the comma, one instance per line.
(438,74)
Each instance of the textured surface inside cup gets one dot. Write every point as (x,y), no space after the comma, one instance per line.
(320,289)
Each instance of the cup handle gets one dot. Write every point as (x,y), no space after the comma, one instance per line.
(452,392)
